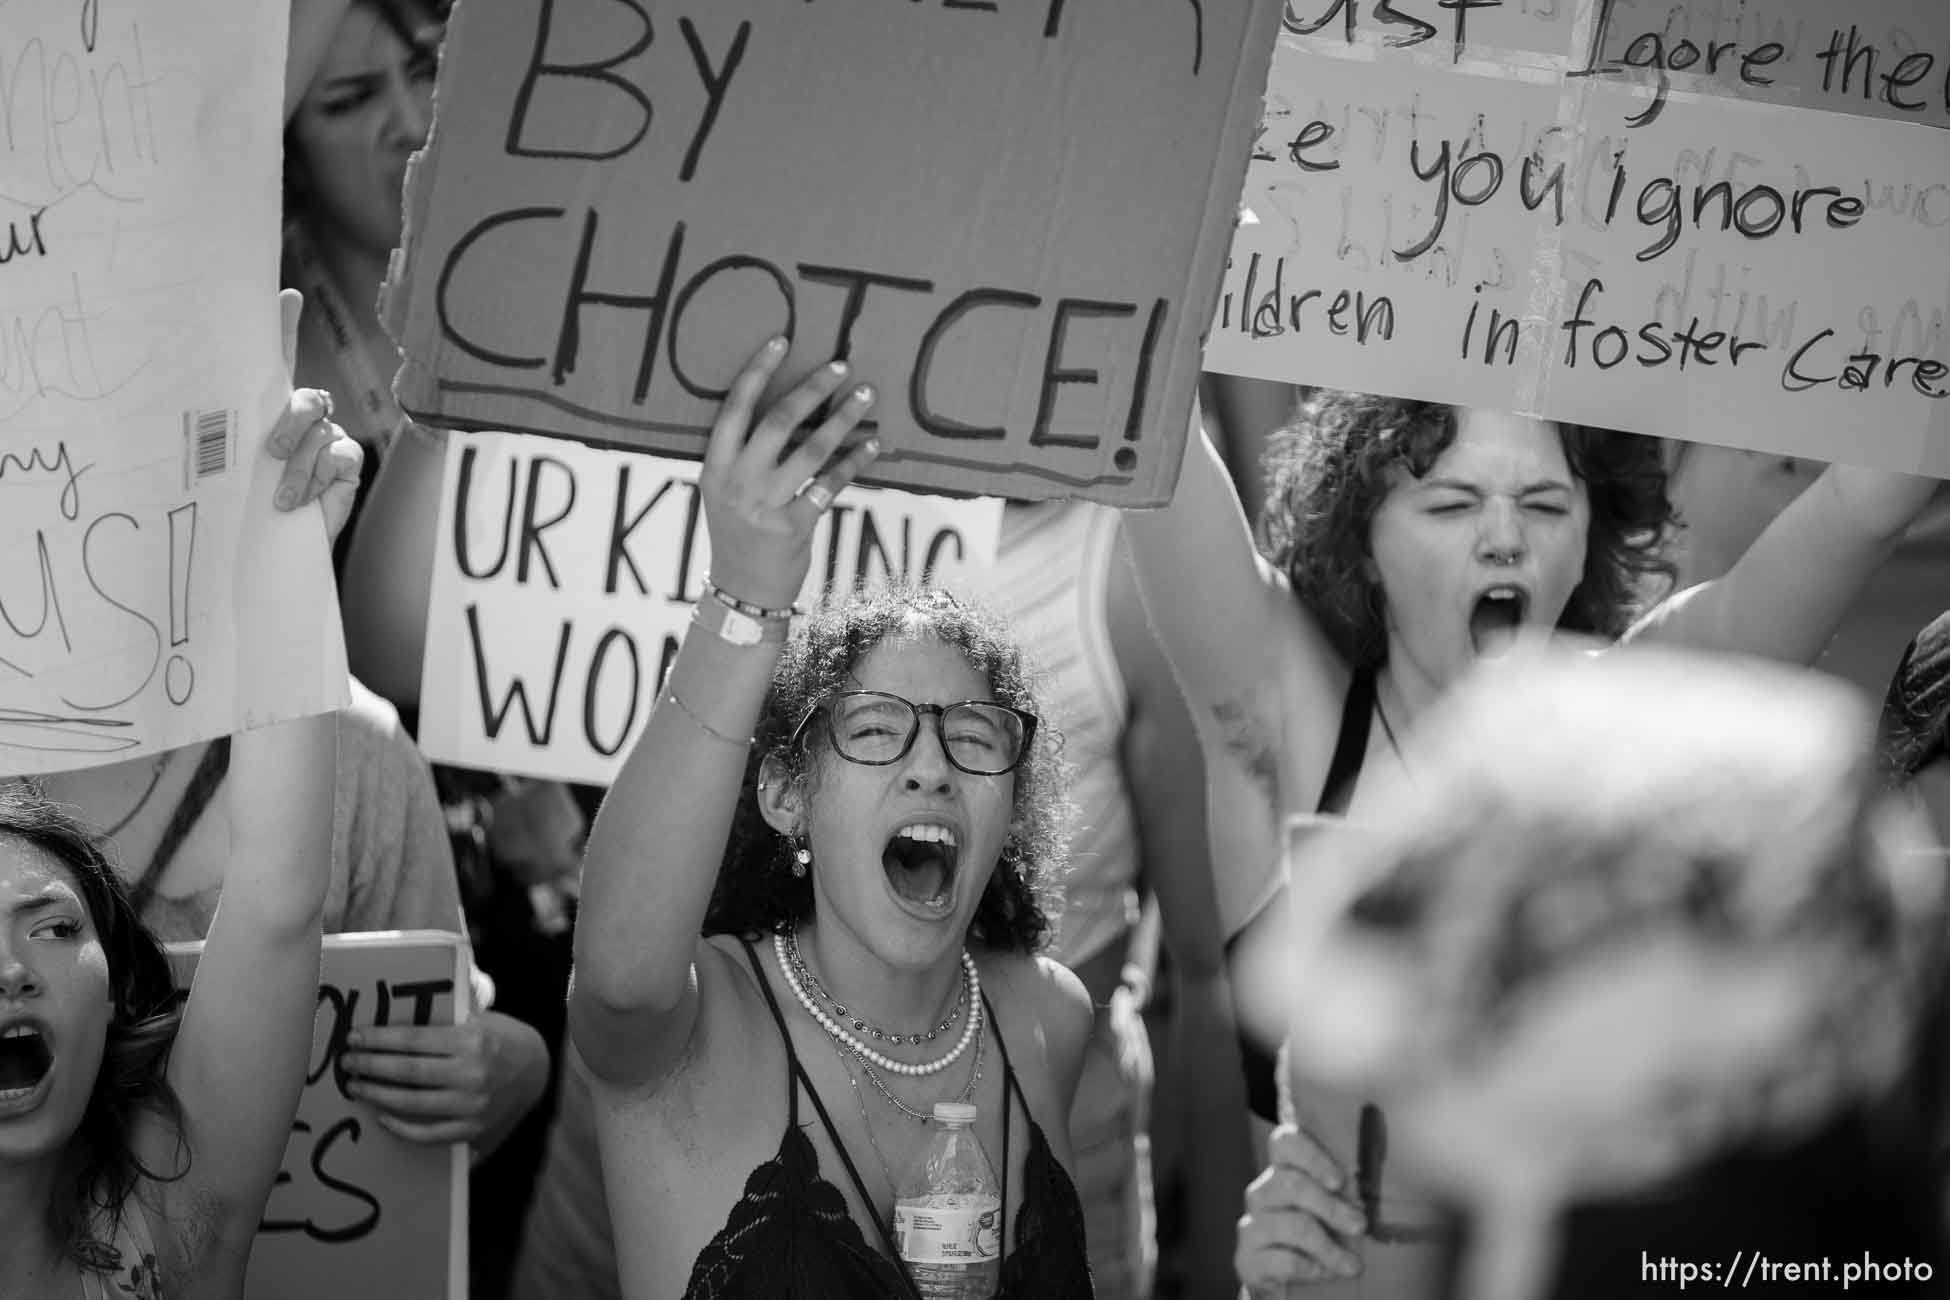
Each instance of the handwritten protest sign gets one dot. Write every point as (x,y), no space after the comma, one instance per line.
(357,1211)
(1011,217)
(1721,223)
(139,373)
(566,576)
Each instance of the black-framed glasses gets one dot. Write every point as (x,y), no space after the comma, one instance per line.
(875,728)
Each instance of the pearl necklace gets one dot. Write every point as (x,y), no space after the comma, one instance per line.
(860,1049)
(860,1026)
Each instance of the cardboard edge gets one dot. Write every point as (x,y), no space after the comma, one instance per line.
(461,1156)
(1227,177)
(416,197)
(415,386)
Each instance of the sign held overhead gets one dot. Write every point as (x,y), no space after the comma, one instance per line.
(1012,219)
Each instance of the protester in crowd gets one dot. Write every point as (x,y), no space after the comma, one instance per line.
(140,1140)
(170,816)
(364,110)
(360,82)
(1639,967)
(1064,585)
(1404,541)
(898,858)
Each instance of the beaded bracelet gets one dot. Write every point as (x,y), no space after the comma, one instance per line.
(748,609)
(737,629)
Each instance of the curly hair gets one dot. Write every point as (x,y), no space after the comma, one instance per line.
(1329,469)
(101,1167)
(756,890)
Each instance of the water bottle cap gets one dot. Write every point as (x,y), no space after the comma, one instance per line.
(954,1112)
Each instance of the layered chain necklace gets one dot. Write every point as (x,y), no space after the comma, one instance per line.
(805,973)
(785,944)
(880,1086)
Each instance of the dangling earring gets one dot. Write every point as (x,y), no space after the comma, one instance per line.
(1011,852)
(801,860)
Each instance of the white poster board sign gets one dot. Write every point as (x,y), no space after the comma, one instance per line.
(357,1211)
(565,576)
(1724,223)
(139,375)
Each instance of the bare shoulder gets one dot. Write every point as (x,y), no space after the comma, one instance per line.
(1066,1003)
(1046,992)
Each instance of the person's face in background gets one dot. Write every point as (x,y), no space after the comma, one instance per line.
(365,113)
(55,986)
(1484,549)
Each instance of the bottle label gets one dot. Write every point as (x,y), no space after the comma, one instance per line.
(949,1230)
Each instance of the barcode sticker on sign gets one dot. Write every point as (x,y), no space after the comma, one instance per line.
(206,444)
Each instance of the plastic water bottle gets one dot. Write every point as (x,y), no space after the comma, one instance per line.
(948,1213)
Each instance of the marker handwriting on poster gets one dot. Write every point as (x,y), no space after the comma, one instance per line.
(354,1205)
(1468,174)
(315,1193)
(541,495)
(1761,50)
(566,577)
(1849,67)
(334,1207)
(78,112)
(1387,16)
(1524,195)
(598,88)
(137,339)
(94,574)
(637,314)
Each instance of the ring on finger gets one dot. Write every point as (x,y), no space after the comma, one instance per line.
(816,492)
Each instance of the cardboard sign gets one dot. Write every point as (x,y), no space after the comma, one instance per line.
(1011,217)
(357,1211)
(566,577)
(139,375)
(1522,208)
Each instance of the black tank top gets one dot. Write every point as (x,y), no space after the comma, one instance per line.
(791,1236)
(1343,771)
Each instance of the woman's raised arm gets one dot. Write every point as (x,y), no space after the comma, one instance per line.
(238,1064)
(658,842)
(1236,637)
(1217,606)
(1786,596)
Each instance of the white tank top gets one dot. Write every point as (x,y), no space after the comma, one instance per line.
(1051,581)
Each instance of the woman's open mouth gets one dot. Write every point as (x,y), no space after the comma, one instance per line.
(1496,618)
(25,1059)
(920,861)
